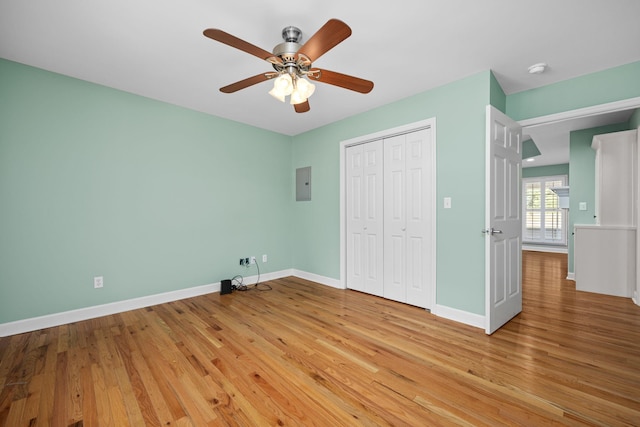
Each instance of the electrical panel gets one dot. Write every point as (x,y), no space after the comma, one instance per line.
(303,184)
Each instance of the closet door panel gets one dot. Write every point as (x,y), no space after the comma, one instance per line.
(373,218)
(354,244)
(395,252)
(364,217)
(420,201)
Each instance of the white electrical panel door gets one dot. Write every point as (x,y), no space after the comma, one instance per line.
(364,217)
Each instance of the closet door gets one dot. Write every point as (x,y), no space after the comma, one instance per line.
(364,217)
(407,215)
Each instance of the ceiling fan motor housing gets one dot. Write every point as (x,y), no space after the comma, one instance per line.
(292,34)
(287,50)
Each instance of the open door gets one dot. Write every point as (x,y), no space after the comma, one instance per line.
(503,250)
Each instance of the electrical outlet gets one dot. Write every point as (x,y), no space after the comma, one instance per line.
(98,282)
(253,260)
(264,258)
(241,261)
(246,262)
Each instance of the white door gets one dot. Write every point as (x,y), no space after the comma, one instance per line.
(407,218)
(503,250)
(364,217)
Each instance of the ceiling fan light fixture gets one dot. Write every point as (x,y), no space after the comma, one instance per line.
(273,92)
(282,86)
(306,87)
(292,62)
(302,91)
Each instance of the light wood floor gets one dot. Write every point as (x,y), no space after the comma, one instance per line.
(305,354)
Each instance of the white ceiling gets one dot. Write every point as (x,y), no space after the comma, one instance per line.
(155,48)
(552,139)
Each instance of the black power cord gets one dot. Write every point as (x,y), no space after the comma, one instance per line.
(238,285)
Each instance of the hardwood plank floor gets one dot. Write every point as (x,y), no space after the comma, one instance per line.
(304,354)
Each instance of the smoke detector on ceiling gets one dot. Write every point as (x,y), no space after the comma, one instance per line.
(538,68)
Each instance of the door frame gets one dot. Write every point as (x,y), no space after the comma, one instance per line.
(387,133)
(594,110)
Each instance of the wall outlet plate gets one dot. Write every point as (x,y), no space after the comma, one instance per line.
(98,282)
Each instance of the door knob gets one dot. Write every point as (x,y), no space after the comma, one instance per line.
(491,231)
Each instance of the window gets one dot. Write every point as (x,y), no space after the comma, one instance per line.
(544,221)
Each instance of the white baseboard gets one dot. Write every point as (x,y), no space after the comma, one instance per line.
(57,319)
(323,280)
(460,316)
(250,280)
(571,276)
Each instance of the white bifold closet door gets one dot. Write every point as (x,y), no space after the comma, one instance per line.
(389,198)
(364,217)
(409,198)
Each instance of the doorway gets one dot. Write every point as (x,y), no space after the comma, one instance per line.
(551,133)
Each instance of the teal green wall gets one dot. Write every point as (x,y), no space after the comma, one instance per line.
(459,109)
(583,177)
(551,170)
(634,121)
(157,198)
(605,86)
(496,94)
(153,197)
(529,149)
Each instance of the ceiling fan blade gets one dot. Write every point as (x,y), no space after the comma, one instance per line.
(342,80)
(303,107)
(233,41)
(331,33)
(250,81)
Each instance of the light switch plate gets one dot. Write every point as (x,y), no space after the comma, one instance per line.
(582,206)
(447,202)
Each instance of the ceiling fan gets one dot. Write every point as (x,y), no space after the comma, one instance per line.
(292,63)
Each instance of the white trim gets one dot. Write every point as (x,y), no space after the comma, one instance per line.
(65,317)
(387,133)
(571,276)
(543,209)
(323,280)
(610,107)
(471,319)
(57,319)
(251,280)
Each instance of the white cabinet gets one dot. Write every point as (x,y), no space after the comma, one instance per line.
(605,259)
(605,253)
(616,178)
(390,220)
